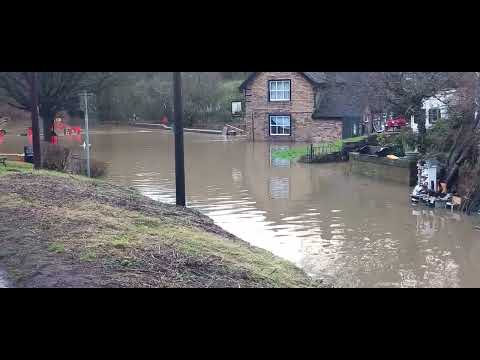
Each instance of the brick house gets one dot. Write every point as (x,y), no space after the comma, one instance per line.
(301,106)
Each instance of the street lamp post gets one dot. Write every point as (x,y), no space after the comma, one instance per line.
(179,147)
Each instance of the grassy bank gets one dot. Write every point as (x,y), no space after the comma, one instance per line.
(297,152)
(60,230)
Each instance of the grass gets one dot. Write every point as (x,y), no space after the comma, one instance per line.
(15,166)
(56,248)
(19,167)
(297,152)
(85,233)
(353,139)
(290,154)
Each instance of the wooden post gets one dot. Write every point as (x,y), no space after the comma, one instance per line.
(37,157)
(253,127)
(179,146)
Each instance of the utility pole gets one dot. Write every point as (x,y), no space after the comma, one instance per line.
(87,134)
(179,148)
(37,157)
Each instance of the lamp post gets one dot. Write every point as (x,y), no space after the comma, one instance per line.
(179,147)
(37,157)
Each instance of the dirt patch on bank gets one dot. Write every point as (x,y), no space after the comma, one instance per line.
(67,231)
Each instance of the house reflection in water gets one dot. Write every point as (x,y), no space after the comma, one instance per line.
(276,162)
(279,187)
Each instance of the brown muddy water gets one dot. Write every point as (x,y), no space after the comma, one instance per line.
(352,230)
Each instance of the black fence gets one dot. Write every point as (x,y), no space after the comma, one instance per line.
(315,151)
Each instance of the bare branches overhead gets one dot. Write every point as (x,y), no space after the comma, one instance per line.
(57,90)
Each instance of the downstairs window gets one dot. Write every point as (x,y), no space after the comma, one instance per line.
(280,125)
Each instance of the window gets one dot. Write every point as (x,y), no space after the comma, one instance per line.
(236,108)
(433,115)
(280,125)
(279,90)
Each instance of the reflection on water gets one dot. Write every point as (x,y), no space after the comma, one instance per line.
(356,230)
(276,162)
(279,187)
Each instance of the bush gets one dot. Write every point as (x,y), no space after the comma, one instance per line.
(384,139)
(438,137)
(60,158)
(404,141)
(98,169)
(55,157)
(408,140)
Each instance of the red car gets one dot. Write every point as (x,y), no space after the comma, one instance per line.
(396,124)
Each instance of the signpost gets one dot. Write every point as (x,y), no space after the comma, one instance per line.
(86,144)
(87,134)
(178,129)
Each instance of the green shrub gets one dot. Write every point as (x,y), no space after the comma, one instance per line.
(408,139)
(438,137)
(405,140)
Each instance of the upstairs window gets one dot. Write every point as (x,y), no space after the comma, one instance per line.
(279,90)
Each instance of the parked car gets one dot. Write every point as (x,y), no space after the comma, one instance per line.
(396,123)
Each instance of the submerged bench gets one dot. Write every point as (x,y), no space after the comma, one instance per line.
(3,160)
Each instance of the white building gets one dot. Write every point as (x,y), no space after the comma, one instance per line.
(435,107)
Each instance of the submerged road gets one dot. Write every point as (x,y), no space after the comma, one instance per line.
(3,279)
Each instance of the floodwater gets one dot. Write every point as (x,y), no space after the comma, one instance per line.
(3,280)
(352,230)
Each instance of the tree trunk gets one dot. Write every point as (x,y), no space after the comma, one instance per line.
(48,118)
(422,129)
(467,136)
(453,169)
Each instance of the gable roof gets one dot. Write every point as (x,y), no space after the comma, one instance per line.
(322,77)
(345,100)
(316,78)
(338,103)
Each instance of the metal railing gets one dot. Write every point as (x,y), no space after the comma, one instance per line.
(318,150)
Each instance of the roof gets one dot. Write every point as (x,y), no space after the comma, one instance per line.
(316,78)
(324,78)
(344,97)
(337,104)
(344,100)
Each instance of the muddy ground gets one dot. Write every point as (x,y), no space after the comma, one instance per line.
(67,231)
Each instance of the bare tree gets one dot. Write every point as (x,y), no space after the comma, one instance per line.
(404,93)
(465,130)
(57,91)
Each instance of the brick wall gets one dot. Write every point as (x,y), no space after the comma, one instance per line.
(300,108)
(401,171)
(320,130)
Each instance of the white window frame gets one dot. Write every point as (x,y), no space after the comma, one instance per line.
(281,118)
(237,108)
(277,90)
